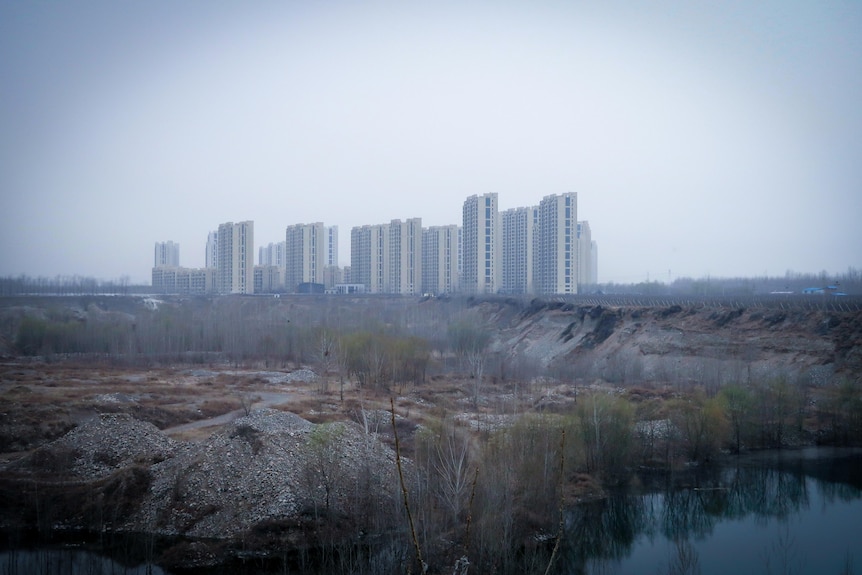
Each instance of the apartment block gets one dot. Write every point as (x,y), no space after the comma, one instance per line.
(517,261)
(167,255)
(556,266)
(368,244)
(440,250)
(330,243)
(176,280)
(404,257)
(304,255)
(268,279)
(235,270)
(481,245)
(585,256)
(272,254)
(211,256)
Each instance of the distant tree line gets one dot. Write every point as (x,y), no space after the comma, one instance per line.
(849,282)
(67,285)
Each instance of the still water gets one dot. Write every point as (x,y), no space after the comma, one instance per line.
(58,561)
(794,513)
(798,513)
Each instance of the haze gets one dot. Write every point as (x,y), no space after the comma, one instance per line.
(719,139)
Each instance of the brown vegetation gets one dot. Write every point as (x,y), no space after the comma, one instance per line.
(483,393)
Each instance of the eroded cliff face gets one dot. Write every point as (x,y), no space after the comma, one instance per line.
(676,344)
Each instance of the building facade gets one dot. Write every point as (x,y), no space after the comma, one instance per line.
(235,270)
(304,255)
(211,256)
(517,263)
(404,257)
(440,260)
(368,246)
(556,265)
(167,255)
(481,245)
(272,254)
(330,242)
(585,256)
(268,279)
(195,281)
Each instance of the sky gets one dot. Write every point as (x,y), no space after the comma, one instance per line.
(717,139)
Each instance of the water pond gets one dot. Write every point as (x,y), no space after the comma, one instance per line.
(795,512)
(784,513)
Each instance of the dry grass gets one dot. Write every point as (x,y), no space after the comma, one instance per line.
(42,401)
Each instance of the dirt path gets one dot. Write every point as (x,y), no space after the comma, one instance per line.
(266,399)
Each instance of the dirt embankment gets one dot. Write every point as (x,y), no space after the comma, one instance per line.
(675,344)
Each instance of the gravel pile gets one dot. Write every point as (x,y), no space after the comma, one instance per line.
(280,377)
(268,465)
(100,446)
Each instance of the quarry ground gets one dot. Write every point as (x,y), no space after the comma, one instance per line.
(212,448)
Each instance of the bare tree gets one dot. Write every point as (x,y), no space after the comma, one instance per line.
(324,464)
(469,341)
(326,357)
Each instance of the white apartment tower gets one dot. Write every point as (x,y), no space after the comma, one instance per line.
(235,269)
(481,245)
(585,255)
(368,246)
(211,256)
(517,262)
(272,254)
(556,265)
(332,274)
(167,255)
(330,245)
(304,255)
(404,256)
(440,259)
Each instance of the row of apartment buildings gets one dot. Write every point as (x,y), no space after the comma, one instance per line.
(542,249)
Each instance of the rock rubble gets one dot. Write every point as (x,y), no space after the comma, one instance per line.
(267,466)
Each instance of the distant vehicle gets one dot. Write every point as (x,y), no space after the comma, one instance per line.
(814,290)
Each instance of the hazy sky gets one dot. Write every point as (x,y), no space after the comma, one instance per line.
(720,138)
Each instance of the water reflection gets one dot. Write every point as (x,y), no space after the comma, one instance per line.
(602,534)
(67,562)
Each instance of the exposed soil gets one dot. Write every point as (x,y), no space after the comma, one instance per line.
(213,450)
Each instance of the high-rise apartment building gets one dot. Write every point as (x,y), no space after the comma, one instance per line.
(211,257)
(268,279)
(517,261)
(404,256)
(368,246)
(272,254)
(481,245)
(167,255)
(235,269)
(304,255)
(440,259)
(594,262)
(585,256)
(332,274)
(556,265)
(330,242)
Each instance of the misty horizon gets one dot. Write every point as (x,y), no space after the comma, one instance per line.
(702,140)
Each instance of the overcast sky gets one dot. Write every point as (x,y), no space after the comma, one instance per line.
(702,138)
